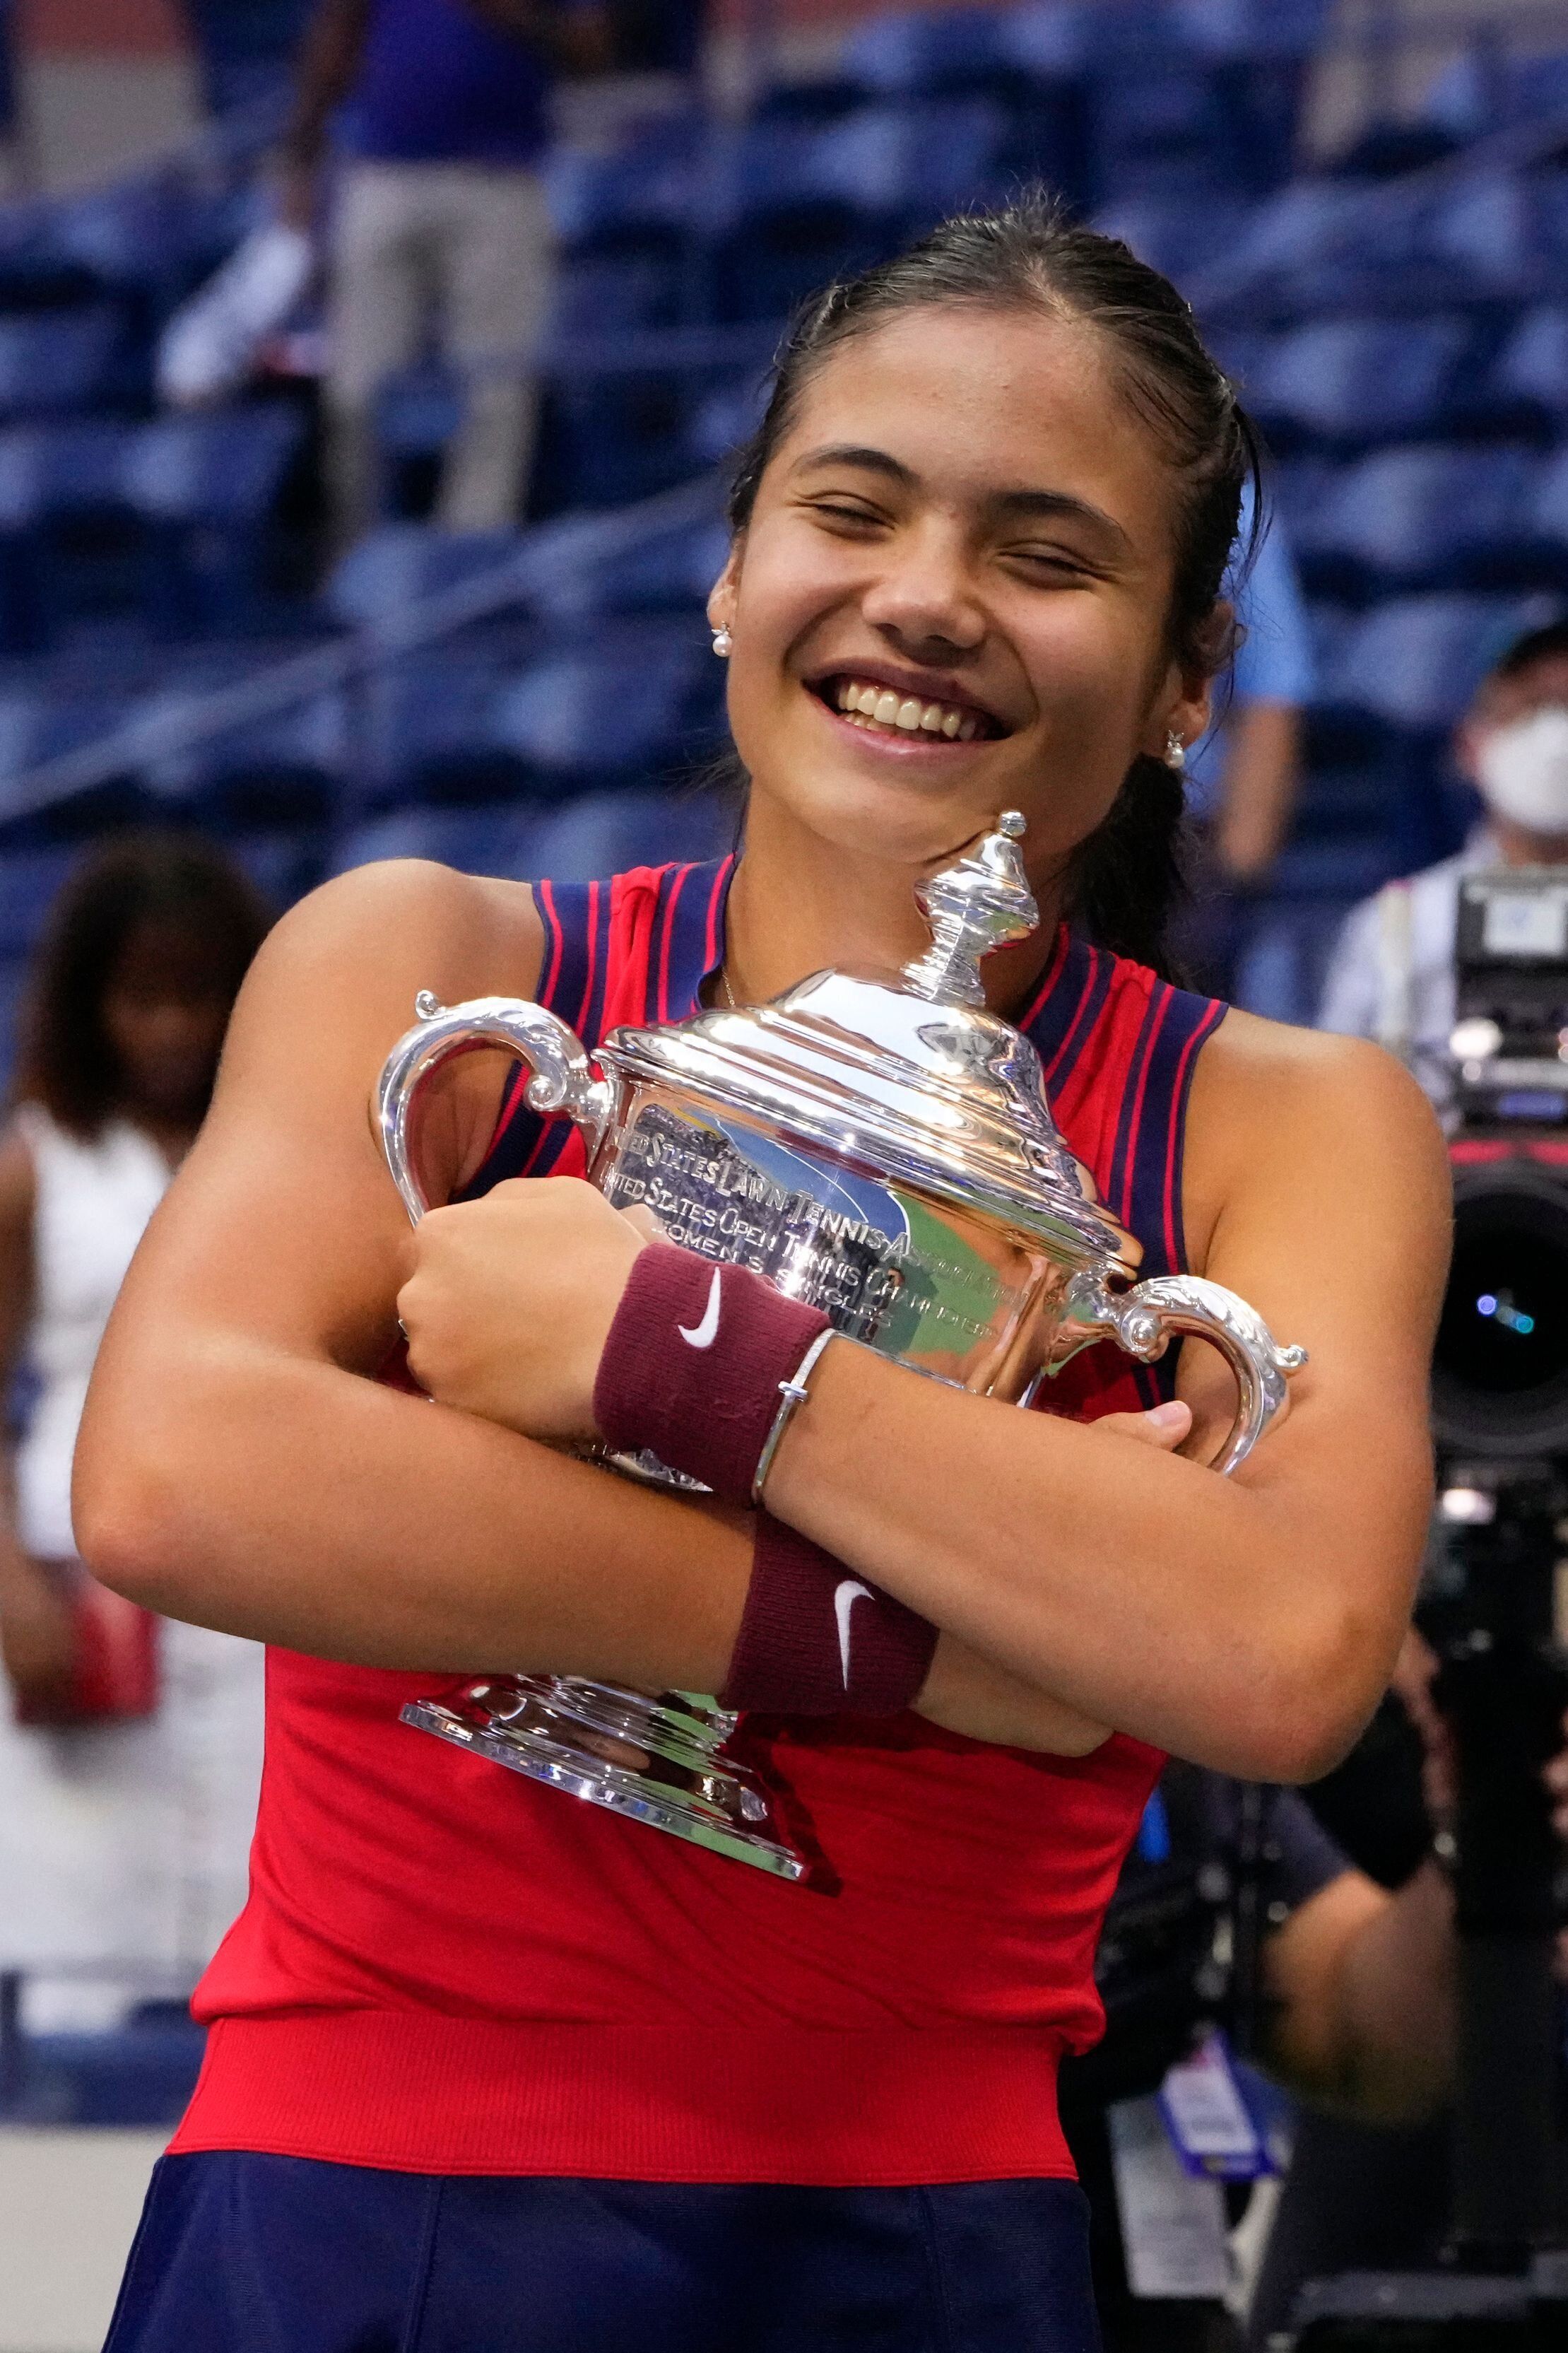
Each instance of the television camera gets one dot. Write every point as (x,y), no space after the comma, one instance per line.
(1495,1607)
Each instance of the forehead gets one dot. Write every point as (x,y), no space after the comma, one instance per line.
(974,401)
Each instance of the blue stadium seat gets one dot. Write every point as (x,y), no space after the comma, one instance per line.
(475,840)
(167,522)
(606,833)
(269,787)
(923,55)
(30,880)
(1415,661)
(664,571)
(1431,516)
(1549,506)
(54,362)
(630,213)
(610,438)
(641,701)
(68,546)
(597,292)
(1531,371)
(787,207)
(1240,29)
(1174,235)
(1358,381)
(206,488)
(1486,90)
(431,734)
(402,563)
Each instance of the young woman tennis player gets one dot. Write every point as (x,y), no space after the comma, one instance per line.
(490,2069)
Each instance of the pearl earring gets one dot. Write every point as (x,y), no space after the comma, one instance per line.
(723,642)
(1176,751)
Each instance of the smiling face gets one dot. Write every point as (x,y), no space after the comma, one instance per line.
(952,596)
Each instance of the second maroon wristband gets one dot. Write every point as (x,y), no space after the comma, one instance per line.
(816,1639)
(692,1366)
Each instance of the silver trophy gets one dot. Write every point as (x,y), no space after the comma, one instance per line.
(882,1150)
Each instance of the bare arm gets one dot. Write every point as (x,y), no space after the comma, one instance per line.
(328,59)
(240,1466)
(35,1626)
(1364,1984)
(1247,1623)
(1262,745)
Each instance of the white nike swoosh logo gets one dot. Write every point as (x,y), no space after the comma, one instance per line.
(844,1597)
(703,1335)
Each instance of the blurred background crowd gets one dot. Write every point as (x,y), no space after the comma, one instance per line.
(367,369)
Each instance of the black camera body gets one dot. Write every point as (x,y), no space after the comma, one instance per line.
(1492,1597)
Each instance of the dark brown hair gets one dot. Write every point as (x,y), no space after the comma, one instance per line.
(1127,879)
(1547,643)
(179,883)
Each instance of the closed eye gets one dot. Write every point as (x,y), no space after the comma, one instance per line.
(1060,560)
(832,512)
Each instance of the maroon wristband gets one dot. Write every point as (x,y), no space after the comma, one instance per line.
(692,1366)
(816,1640)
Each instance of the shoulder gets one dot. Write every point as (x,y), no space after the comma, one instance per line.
(1275,1107)
(407,919)
(1254,1073)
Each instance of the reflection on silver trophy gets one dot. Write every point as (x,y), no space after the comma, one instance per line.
(879,1148)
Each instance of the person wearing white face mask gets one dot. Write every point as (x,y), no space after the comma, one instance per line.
(1391,973)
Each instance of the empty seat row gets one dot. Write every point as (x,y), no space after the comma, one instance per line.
(1353,382)
(167,520)
(1429,515)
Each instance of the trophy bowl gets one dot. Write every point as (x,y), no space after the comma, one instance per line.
(880,1149)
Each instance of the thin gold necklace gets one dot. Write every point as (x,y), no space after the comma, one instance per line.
(729,992)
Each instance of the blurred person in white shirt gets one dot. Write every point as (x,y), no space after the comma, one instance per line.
(1392,974)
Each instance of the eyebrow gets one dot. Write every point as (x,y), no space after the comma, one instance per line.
(1021,503)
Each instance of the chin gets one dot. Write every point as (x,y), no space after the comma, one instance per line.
(908,820)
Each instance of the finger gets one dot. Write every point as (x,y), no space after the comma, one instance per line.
(1164,1425)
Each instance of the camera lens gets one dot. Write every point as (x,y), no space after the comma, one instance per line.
(1501,1368)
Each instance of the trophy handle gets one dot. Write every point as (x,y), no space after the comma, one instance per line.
(1144,1319)
(563,1080)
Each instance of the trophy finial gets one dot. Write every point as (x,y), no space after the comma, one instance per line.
(981,901)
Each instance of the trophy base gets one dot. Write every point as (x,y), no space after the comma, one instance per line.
(657,1761)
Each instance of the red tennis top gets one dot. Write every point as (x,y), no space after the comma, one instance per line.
(446,1968)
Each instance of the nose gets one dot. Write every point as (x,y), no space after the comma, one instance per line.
(923,599)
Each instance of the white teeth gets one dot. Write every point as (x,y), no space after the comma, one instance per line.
(880,706)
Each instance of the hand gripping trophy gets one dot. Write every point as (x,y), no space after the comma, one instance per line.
(882,1151)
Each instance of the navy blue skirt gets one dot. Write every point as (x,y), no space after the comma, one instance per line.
(240,2253)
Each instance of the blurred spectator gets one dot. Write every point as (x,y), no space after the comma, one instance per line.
(128,1748)
(1242,774)
(440,210)
(1391,977)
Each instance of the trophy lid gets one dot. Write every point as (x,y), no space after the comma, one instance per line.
(915,1081)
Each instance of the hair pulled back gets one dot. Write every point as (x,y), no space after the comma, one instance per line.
(1127,878)
(174,881)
